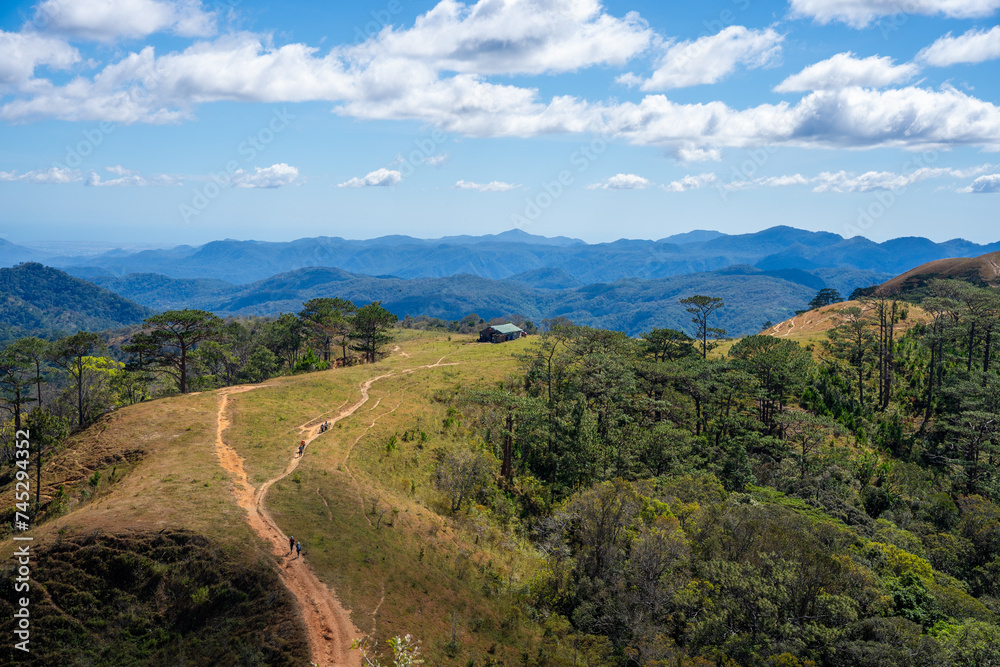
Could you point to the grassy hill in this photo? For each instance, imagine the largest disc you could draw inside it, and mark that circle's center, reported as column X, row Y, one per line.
column 982, row 271
column 812, row 326
column 153, row 564
column 373, row 526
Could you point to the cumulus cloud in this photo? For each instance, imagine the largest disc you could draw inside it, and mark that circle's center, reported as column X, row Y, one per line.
column 378, row 178
column 511, row 37
column 53, row 175
column 710, row 59
column 399, row 84
column 109, row 20
column 984, row 185
column 21, row 53
column 691, row 154
column 622, row 182
column 974, row 46
column 844, row 70
column 275, row 176
column 852, row 117
column 861, row 13
column 492, row 186
column 690, row 182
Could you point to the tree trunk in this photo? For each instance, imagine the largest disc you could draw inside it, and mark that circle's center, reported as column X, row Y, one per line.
column 183, row 368
column 986, row 351
column 972, row 344
column 38, row 381
column 930, row 383
column 79, row 391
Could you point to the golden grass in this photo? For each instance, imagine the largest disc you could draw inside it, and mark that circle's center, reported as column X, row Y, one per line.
column 427, row 573
column 421, row 570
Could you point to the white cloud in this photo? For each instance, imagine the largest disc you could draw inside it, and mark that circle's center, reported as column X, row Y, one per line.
column 844, row 70
column 378, row 178
column 845, row 181
column 622, row 182
column 690, row 182
column 274, row 176
column 21, row 53
column 974, row 46
column 853, row 117
column 861, row 13
column 690, row 154
column 437, row 160
column 109, row 20
column 984, row 185
column 141, row 87
column 511, row 37
column 53, row 175
column 128, row 177
column 492, row 186
column 710, row 59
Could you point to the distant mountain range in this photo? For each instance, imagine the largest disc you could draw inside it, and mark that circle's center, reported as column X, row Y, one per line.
column 506, row 255
column 630, row 285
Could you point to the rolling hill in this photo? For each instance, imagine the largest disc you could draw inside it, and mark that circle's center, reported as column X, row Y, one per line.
column 983, row 270
column 39, row 300
column 178, row 553
column 631, row 305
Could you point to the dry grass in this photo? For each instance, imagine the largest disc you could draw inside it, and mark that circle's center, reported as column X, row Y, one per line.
column 427, row 573
column 420, row 569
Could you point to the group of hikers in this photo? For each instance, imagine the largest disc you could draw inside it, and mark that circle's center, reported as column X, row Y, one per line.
column 323, row 428
column 294, row 546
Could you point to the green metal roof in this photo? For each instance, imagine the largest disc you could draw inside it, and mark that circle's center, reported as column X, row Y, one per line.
column 506, row 328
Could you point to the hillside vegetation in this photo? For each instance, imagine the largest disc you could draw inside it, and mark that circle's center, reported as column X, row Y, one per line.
column 826, row 495
column 39, row 300
column 633, row 306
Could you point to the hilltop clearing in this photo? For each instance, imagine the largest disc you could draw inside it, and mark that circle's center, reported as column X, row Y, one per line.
column 812, row 326
column 981, row 271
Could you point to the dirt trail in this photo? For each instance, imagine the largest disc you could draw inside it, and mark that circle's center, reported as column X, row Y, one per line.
column 329, row 626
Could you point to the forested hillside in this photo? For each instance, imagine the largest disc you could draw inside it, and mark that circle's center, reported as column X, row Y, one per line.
column 38, row 300
column 633, row 306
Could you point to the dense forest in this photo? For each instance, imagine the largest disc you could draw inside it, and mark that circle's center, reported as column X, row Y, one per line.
column 834, row 504
column 761, row 502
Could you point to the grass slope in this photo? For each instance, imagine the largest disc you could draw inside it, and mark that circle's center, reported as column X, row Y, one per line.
column 158, row 476
column 426, row 573
column 407, row 567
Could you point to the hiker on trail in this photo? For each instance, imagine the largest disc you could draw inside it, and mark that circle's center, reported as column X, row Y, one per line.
column 298, row 549
column 291, row 544
column 302, row 447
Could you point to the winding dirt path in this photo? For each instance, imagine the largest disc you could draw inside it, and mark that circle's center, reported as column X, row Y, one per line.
column 329, row 626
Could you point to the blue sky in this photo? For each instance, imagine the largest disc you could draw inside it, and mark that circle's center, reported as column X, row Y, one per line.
column 183, row 121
